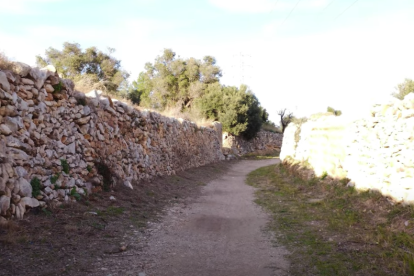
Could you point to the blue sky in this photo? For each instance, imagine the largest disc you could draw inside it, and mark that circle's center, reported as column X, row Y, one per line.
column 305, row 61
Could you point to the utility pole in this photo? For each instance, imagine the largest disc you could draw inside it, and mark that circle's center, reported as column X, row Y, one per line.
column 242, row 65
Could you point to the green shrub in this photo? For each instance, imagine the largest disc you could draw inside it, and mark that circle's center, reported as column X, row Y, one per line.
column 58, row 87
column 36, row 185
column 75, row 194
column 105, row 171
column 81, row 101
column 54, row 178
column 65, row 166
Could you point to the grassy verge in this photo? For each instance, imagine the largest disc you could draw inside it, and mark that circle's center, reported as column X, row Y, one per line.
column 331, row 229
column 265, row 154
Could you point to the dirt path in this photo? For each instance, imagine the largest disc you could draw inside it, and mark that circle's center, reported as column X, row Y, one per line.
column 219, row 233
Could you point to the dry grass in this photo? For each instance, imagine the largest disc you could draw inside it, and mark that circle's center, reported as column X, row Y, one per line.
column 5, row 63
column 190, row 115
column 263, row 154
column 173, row 112
column 332, row 229
column 271, row 128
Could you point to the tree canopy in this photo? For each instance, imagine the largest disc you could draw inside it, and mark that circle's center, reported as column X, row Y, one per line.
column 334, row 111
column 195, row 84
column 404, row 88
column 171, row 81
column 285, row 118
column 90, row 66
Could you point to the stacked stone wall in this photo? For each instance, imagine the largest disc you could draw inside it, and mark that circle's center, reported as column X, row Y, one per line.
column 45, row 124
column 263, row 141
column 375, row 152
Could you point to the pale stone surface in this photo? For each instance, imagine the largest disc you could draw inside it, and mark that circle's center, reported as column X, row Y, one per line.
column 375, row 152
column 4, row 204
column 21, row 68
column 29, row 202
column 128, row 184
column 49, row 88
column 25, row 187
column 4, row 83
column 4, row 129
column 289, row 143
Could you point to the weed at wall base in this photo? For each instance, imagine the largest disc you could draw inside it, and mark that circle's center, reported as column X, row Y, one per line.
column 105, row 171
column 36, row 187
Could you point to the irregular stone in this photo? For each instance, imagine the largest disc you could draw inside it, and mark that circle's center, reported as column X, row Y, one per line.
column 71, row 183
column 54, row 80
column 94, row 94
column 10, row 77
column 100, row 136
column 27, row 81
column 20, row 210
column 14, row 124
column 68, row 85
column 4, row 204
column 3, row 181
column 83, row 121
column 29, row 202
column 25, row 187
column 8, row 110
column 111, row 110
column 39, row 76
column 71, row 148
column 9, row 169
column 95, row 181
column 16, row 199
column 128, row 184
column 48, row 190
column 21, row 68
column 15, row 143
column 4, row 83
column 49, row 88
column 21, row 172
column 86, row 110
column 18, row 154
column 4, row 129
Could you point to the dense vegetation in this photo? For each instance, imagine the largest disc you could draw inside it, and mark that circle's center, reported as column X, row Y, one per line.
column 192, row 84
column 404, row 88
column 334, row 111
column 89, row 69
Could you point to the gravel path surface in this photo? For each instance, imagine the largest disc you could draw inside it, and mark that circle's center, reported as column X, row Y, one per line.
column 218, row 233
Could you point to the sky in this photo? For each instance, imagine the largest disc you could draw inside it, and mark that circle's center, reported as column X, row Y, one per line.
column 301, row 55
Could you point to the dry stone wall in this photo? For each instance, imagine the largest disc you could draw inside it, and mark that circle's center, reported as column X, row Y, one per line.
column 376, row 152
column 51, row 133
column 264, row 140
